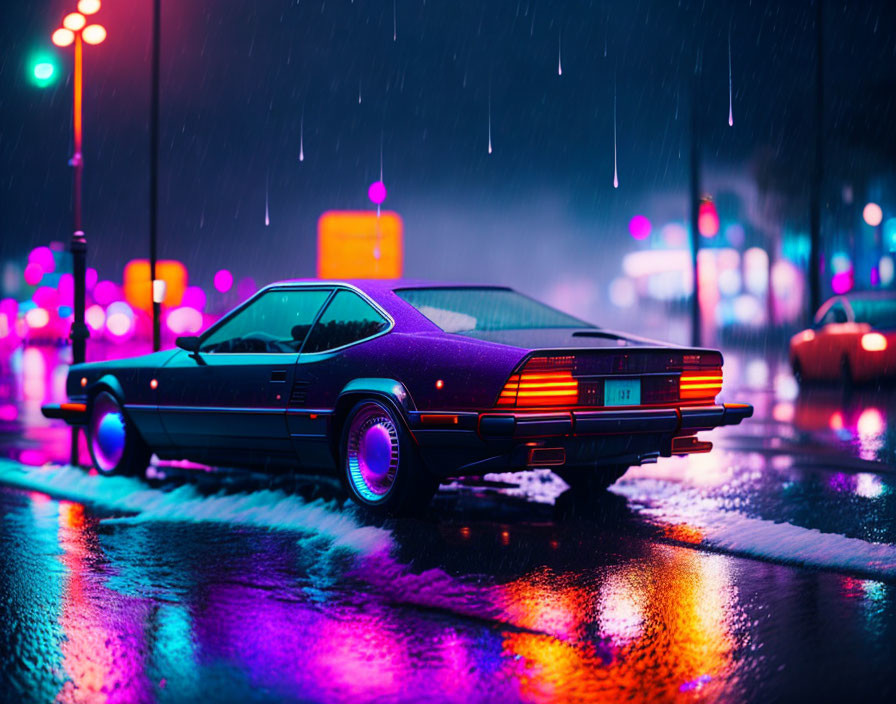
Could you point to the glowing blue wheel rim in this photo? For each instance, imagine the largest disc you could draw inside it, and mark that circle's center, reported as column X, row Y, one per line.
column 107, row 433
column 372, row 453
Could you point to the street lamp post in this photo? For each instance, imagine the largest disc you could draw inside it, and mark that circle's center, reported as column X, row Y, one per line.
column 75, row 30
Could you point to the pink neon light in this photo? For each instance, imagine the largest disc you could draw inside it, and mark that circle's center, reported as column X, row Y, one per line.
column 377, row 192
column 33, row 274
column 223, row 280
column 639, row 227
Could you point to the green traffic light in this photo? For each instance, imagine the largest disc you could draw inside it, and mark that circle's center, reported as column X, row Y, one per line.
column 43, row 71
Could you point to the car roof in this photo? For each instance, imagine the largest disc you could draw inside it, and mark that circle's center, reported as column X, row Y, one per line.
column 372, row 285
column 382, row 292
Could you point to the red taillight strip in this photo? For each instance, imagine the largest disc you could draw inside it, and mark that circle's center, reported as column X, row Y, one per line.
column 703, row 384
column 555, row 388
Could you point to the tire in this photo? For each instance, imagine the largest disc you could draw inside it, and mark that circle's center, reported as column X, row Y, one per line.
column 115, row 445
column 590, row 480
column 798, row 371
column 379, row 463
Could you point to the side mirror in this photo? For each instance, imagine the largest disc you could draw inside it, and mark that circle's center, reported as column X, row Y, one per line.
column 190, row 343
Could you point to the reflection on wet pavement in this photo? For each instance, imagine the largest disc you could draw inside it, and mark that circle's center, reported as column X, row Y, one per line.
column 687, row 582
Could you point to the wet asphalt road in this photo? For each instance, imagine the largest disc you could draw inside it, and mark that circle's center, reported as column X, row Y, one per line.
column 763, row 571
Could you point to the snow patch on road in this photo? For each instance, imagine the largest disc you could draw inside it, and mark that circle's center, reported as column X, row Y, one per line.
column 671, row 504
column 275, row 510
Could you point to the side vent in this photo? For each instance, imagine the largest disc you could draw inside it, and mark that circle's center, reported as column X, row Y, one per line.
column 299, row 393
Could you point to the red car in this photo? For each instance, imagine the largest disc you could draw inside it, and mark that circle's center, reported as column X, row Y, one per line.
column 853, row 339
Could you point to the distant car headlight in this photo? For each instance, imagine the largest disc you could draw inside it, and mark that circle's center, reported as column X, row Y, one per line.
column 874, row 342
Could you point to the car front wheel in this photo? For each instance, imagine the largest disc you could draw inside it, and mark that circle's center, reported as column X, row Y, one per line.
column 115, row 445
column 379, row 462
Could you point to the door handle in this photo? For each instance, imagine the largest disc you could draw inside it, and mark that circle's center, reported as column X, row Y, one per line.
column 278, row 375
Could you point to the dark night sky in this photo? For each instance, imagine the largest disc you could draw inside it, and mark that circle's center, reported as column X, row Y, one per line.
column 238, row 74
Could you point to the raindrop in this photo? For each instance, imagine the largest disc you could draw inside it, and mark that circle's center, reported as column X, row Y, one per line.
column 615, row 169
column 359, row 91
column 302, row 137
column 267, row 211
column 394, row 23
column 489, row 119
column 560, row 53
column 730, row 91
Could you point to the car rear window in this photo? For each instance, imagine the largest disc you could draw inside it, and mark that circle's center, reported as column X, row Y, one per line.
column 880, row 314
column 471, row 309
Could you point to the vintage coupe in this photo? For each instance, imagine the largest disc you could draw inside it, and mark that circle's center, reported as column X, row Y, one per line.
column 852, row 340
column 397, row 385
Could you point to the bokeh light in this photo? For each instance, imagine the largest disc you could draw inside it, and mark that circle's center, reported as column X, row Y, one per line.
column 43, row 71
column 119, row 319
column 94, row 34
column 377, row 192
column 43, row 257
column 88, row 7
column 223, row 280
column 840, row 263
column 74, row 21
column 885, row 269
column 105, row 292
column 708, row 218
column 33, row 274
column 842, row 282
column 194, row 297
column 37, row 318
column 639, row 227
column 184, row 320
column 63, row 37
column 674, row 234
column 872, row 214
column 95, row 317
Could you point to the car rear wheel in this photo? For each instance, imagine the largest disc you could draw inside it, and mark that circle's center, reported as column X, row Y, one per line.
column 590, row 479
column 798, row 371
column 379, row 461
column 115, row 445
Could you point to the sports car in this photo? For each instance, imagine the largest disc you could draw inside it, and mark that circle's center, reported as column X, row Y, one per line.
column 397, row 386
column 852, row 339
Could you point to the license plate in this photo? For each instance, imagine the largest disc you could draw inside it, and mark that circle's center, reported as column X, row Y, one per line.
column 622, row 392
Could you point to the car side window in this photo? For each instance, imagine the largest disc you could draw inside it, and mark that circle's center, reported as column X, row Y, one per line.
column 347, row 319
column 836, row 314
column 276, row 321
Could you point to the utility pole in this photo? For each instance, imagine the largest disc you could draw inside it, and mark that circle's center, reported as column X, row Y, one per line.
column 154, row 175
column 695, row 202
column 818, row 168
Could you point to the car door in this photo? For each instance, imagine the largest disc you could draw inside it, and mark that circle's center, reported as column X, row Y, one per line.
column 829, row 342
column 228, row 400
column 322, row 370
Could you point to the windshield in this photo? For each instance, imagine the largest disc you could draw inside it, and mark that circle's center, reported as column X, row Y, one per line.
column 471, row 309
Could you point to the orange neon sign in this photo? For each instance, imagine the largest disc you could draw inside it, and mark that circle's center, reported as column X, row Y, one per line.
column 360, row 245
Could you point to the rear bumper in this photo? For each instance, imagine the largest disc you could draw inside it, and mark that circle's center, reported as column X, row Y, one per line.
column 471, row 443
column 71, row 413
column 614, row 422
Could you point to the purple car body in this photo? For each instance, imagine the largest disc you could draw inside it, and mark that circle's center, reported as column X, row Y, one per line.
column 373, row 374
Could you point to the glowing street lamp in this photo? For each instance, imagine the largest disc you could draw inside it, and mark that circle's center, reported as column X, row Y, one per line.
column 75, row 30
